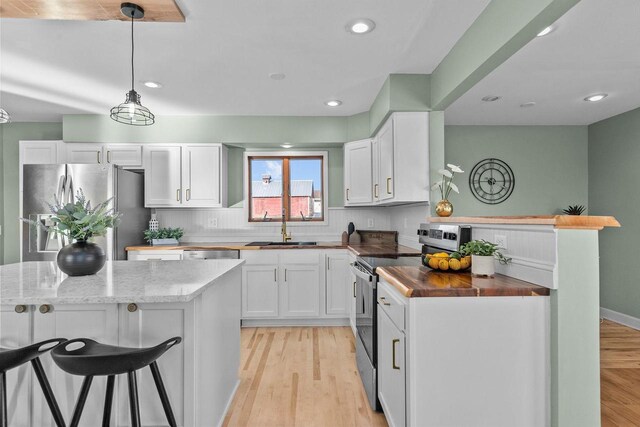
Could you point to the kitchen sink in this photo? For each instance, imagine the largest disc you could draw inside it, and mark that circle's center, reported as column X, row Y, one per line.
column 281, row 244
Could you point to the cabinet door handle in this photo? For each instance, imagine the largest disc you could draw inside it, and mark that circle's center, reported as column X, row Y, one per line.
column 98, row 154
column 354, row 289
column 285, row 274
column 45, row 308
column 21, row 308
column 388, row 182
column 188, row 194
column 393, row 353
column 328, row 263
column 375, row 191
column 275, row 274
column 178, row 195
column 108, row 156
column 383, row 301
column 347, row 194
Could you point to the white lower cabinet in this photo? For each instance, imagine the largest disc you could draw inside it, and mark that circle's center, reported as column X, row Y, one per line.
column 391, row 370
column 338, row 284
column 155, row 254
column 260, row 291
column 352, row 296
column 300, row 288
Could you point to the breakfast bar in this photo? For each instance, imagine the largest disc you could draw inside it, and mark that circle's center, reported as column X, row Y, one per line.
column 132, row 305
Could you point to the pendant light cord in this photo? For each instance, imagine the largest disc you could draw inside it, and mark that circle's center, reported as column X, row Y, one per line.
column 132, row 47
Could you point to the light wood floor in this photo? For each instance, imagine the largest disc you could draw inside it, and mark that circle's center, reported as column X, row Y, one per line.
column 300, row 377
column 308, row 377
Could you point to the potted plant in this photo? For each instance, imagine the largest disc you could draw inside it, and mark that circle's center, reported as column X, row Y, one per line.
column 163, row 236
column 445, row 185
column 483, row 254
column 79, row 223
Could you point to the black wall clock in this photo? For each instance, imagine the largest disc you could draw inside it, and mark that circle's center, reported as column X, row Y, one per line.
column 491, row 181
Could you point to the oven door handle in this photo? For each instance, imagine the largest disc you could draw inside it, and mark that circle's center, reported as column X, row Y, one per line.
column 360, row 274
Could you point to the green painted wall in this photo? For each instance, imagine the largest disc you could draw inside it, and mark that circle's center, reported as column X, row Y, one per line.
column 502, row 29
column 12, row 133
column 549, row 163
column 614, row 153
column 436, row 152
column 358, row 126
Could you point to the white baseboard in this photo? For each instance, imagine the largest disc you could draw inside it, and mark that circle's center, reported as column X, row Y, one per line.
column 623, row 319
column 329, row 321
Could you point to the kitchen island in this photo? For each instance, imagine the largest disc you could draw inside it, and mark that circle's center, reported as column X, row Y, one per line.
column 133, row 305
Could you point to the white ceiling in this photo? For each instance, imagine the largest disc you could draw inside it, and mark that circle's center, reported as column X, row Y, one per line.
column 218, row 62
column 595, row 48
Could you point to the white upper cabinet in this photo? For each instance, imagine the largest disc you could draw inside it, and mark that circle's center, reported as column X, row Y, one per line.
column 162, row 176
column 393, row 167
column 203, row 166
column 126, row 155
column 41, row 152
column 185, row 175
column 358, row 177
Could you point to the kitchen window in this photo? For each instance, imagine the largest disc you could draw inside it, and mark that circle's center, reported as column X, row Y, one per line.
column 293, row 185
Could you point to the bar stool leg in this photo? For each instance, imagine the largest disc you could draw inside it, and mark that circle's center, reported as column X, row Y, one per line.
column 48, row 393
column 3, row 406
column 163, row 394
column 108, row 400
column 82, row 399
column 133, row 399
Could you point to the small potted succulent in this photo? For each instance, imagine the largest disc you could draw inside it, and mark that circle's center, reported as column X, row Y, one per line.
column 574, row 210
column 163, row 236
column 483, row 254
column 79, row 223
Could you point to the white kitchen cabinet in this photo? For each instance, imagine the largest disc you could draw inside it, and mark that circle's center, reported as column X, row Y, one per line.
column 155, row 254
column 386, row 181
column 358, row 177
column 338, row 284
column 260, row 290
column 391, row 370
column 95, row 321
column 163, row 176
column 300, row 290
column 126, row 155
column 203, row 166
column 41, row 152
column 185, row 175
column 352, row 295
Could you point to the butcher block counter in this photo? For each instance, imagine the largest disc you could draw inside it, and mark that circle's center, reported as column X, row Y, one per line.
column 423, row 282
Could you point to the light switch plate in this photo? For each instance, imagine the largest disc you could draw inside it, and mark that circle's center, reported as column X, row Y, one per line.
column 370, row 222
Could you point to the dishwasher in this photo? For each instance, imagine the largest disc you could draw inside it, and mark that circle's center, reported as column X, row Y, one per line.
column 218, row 254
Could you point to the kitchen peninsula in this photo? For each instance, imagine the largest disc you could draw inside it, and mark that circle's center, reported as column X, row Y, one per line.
column 133, row 305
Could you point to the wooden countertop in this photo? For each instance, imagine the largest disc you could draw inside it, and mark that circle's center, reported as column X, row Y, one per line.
column 423, row 282
column 357, row 249
column 558, row 221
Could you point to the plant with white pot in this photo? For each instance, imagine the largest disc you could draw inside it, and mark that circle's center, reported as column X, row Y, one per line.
column 483, row 254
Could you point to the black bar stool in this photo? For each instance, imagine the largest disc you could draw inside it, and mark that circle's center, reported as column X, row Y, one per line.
column 92, row 359
column 12, row 358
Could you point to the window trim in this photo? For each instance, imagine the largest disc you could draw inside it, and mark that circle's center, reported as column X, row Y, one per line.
column 302, row 154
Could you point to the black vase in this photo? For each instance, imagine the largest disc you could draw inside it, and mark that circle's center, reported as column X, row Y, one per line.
column 81, row 258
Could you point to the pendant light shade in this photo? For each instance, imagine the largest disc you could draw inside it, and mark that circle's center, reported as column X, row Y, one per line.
column 4, row 116
column 132, row 112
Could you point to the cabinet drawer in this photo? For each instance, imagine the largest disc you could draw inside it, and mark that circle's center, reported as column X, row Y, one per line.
column 392, row 303
column 155, row 255
column 259, row 257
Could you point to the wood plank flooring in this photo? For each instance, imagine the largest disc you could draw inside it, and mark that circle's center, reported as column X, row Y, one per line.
column 619, row 375
column 300, row 377
column 308, row 377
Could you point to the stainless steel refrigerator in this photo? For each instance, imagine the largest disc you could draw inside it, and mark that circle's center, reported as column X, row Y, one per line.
column 99, row 183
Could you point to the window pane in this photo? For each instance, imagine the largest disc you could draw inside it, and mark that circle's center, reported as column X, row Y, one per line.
column 266, row 189
column 305, row 190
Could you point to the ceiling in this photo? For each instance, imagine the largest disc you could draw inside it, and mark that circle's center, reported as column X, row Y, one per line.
column 595, row 48
column 219, row 60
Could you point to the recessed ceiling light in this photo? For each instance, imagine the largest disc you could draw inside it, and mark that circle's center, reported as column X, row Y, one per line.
column 277, row 76
column 153, row 85
column 528, row 104
column 595, row 98
column 491, row 98
column 546, row 31
column 286, row 145
column 361, row 26
column 334, row 103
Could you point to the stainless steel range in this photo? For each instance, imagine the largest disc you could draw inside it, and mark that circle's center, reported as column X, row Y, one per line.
column 366, row 314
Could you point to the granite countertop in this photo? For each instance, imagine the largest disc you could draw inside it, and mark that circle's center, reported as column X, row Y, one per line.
column 358, row 249
column 41, row 282
column 424, row 282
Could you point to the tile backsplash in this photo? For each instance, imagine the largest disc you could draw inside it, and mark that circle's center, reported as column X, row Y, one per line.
column 229, row 225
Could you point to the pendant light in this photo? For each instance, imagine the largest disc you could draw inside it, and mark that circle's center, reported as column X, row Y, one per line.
column 132, row 112
column 4, row 116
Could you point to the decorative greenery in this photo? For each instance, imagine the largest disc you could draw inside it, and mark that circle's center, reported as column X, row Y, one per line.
column 78, row 221
column 484, row 248
column 163, row 233
column 446, row 185
column 574, row 210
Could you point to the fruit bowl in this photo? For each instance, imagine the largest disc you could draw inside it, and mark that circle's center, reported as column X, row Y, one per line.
column 442, row 261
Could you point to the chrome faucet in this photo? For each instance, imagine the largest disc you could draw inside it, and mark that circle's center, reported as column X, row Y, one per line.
column 285, row 237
